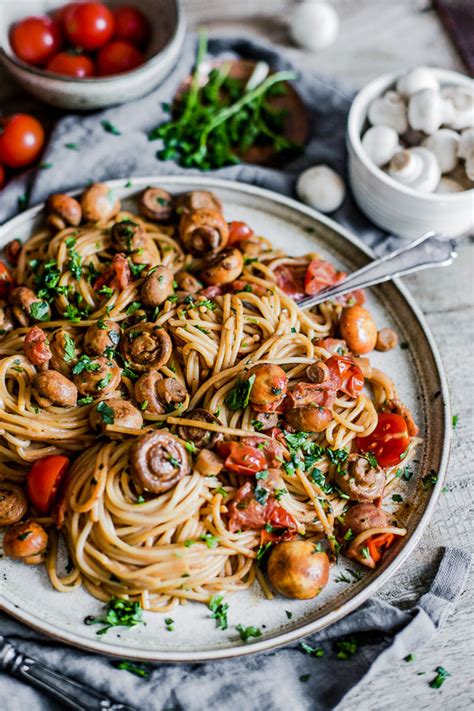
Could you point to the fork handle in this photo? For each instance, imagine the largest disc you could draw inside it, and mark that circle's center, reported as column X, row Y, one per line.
column 429, row 250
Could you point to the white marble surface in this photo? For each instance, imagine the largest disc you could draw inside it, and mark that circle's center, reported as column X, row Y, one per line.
column 378, row 36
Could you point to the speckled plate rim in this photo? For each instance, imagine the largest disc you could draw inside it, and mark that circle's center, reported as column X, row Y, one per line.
column 372, row 587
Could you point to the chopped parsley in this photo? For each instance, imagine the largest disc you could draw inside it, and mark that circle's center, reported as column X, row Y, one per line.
column 238, row 398
column 219, row 610
column 106, row 413
column 312, row 651
column 346, row 648
column 397, row 498
column 139, row 669
column 190, row 446
column 305, row 677
column 85, row 400
column 372, row 459
column 263, row 550
column 103, row 382
column 71, row 146
column 39, row 310
column 261, row 495
column 247, row 633
column 288, row 614
column 455, row 421
column 257, row 425
column 210, row 540
column 85, row 364
column 118, row 613
column 169, row 622
column 74, row 263
column 69, row 348
column 110, row 128
column 409, row 658
column 131, row 308
column 429, row 480
column 440, row 678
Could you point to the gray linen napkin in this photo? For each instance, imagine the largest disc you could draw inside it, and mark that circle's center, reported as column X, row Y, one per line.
column 386, row 633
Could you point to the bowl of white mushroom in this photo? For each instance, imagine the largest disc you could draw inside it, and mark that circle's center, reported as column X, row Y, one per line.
column 411, row 152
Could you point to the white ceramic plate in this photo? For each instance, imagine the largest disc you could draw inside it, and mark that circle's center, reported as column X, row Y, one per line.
column 25, row 592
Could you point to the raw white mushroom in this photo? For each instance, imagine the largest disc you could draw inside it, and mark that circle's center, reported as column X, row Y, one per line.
column 314, row 25
column 380, row 143
column 389, row 110
column 462, row 101
column 416, row 168
column 322, row 188
column 415, row 80
column 466, row 151
column 448, row 185
column 444, row 144
column 427, row 110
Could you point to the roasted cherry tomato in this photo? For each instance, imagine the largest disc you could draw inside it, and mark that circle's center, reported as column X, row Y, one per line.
column 6, row 280
column 351, row 377
column 319, row 275
column 21, row 140
column 378, row 544
column 238, row 231
column 118, row 57
column 291, row 281
column 89, row 25
column 388, row 441
column 131, row 25
column 36, row 39
column 72, row 65
column 241, row 459
column 44, row 480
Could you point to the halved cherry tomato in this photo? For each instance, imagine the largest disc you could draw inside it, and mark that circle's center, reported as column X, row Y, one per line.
column 72, row 65
column 283, row 523
column 21, row 140
column 44, row 479
column 36, row 39
column 6, row 280
column 290, row 280
column 241, row 459
column 131, row 25
column 118, row 57
column 238, row 231
column 388, row 441
column 89, row 25
column 378, row 544
column 351, row 377
column 319, row 275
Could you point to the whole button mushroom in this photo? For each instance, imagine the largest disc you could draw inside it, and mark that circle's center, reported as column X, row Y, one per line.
column 52, row 388
column 158, row 461
column 65, row 352
column 157, row 394
column 322, row 188
column 416, row 168
column 381, row 143
column 427, row 110
column 63, row 211
column 26, row 541
column 358, row 329
column 224, row 268
column 101, row 336
column 13, row 503
column 389, row 110
column 115, row 411
column 203, row 231
column 100, row 376
column 415, row 80
column 157, row 287
column 314, row 25
column 98, row 203
column 157, row 204
column 360, row 480
column 146, row 346
column 462, row 102
column 198, row 200
column 444, row 144
column 297, row 571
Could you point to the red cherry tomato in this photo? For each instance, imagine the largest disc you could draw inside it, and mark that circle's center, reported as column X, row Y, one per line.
column 319, row 275
column 2, row 176
column 21, row 140
column 238, row 231
column 71, row 65
column 44, row 480
column 351, row 376
column 89, row 25
column 290, row 280
column 241, row 459
column 388, row 441
column 6, row 280
column 61, row 13
column 36, row 39
column 378, row 544
column 131, row 25
column 118, row 57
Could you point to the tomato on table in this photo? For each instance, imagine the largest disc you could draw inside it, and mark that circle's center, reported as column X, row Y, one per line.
column 131, row 25
column 241, row 458
column 36, row 39
column 6, row 280
column 21, row 140
column 71, row 64
column 238, row 231
column 44, row 480
column 389, row 441
column 89, row 25
column 350, row 375
column 319, row 275
column 118, row 57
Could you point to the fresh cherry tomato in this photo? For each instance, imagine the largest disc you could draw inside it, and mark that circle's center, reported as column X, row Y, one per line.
column 241, row 459
column 21, row 140
column 351, row 376
column 319, row 275
column 6, row 280
column 2, row 176
column 388, row 441
column 118, row 57
column 36, row 39
column 44, row 479
column 61, row 13
column 131, row 25
column 89, row 25
column 238, row 231
column 71, row 65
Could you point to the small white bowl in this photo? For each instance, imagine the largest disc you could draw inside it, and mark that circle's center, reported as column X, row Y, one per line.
column 395, row 207
column 168, row 29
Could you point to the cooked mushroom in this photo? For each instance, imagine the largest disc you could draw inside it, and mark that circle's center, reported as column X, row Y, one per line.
column 267, row 420
column 187, row 282
column 386, row 340
column 308, row 419
column 156, row 204
column 6, row 318
column 198, row 200
column 297, row 570
column 37, row 348
column 270, row 384
column 102, row 337
column 127, row 236
column 12, row 251
column 358, row 329
column 63, row 211
column 26, row 541
column 98, row 203
column 208, row 463
column 101, row 376
column 223, row 268
column 27, row 307
column 199, row 437
column 361, row 481
column 318, row 372
column 203, row 231
column 361, row 517
column 157, row 287
column 155, row 393
column 65, row 352
column 146, row 346
column 13, row 504
column 115, row 411
column 322, row 188
column 52, row 388
column 389, row 110
column 158, row 461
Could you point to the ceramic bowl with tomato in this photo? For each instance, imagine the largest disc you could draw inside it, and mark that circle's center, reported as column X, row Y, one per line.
column 109, row 70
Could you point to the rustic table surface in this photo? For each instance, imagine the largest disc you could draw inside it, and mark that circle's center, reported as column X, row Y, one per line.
column 378, row 36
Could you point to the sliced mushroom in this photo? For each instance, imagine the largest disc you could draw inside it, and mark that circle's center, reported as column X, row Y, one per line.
column 99, row 203
column 157, row 204
column 26, row 541
column 158, row 461
column 13, row 503
column 63, row 211
column 6, row 318
column 65, row 352
column 223, row 268
column 102, row 337
column 361, row 517
column 198, row 436
column 188, row 283
column 115, row 411
column 198, row 200
column 308, row 419
column 157, row 287
column 361, row 481
column 27, row 307
column 203, row 231
column 156, row 394
column 146, row 346
column 52, row 388
column 100, row 377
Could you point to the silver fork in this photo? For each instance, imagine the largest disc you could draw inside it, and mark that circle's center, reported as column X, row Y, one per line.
column 429, row 250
